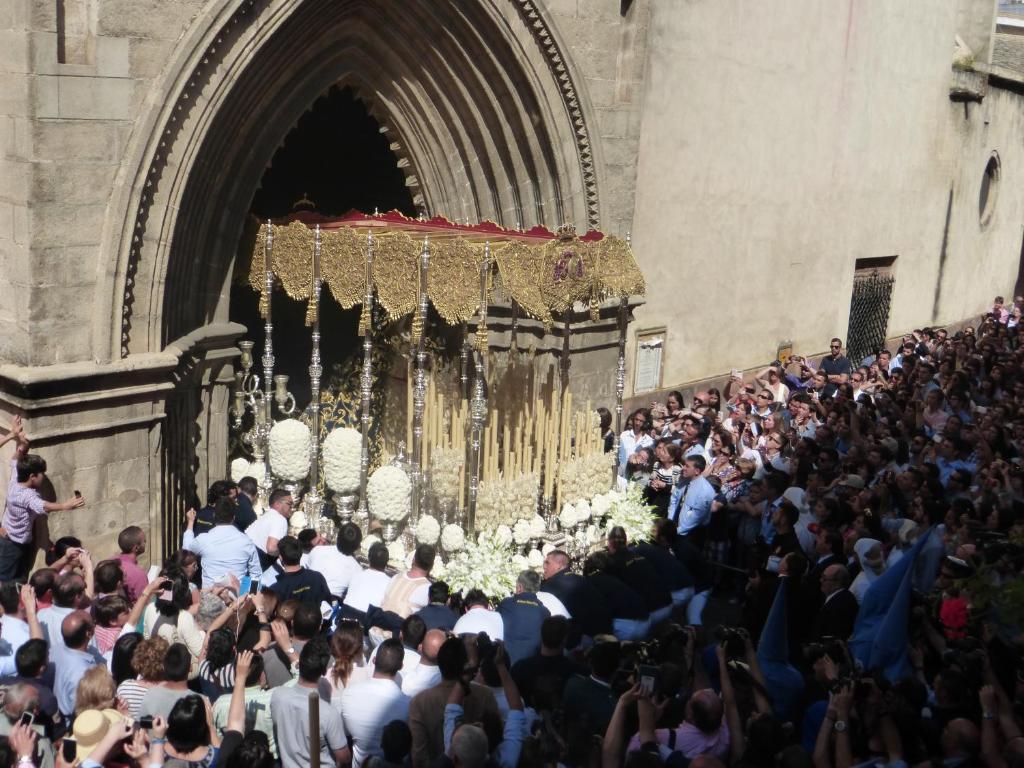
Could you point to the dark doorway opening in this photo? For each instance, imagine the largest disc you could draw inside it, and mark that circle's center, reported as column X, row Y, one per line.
column 335, row 159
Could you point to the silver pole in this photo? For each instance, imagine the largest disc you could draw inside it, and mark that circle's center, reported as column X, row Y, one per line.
column 420, row 386
column 268, row 358
column 314, row 501
column 478, row 406
column 366, row 381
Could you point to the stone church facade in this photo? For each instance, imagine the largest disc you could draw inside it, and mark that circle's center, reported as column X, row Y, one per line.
column 755, row 154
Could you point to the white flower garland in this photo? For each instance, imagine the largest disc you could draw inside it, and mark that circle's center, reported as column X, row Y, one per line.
column 342, row 452
column 388, row 493
column 290, row 450
column 486, row 564
column 453, row 538
column 428, row 530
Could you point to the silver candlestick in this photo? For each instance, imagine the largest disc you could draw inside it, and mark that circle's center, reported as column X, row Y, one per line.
column 478, row 404
column 420, row 384
column 314, row 502
column 366, row 381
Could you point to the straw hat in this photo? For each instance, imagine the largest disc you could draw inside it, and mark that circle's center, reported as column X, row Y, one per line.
column 90, row 728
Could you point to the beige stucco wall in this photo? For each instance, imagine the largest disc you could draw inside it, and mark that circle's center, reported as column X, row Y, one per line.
column 780, row 143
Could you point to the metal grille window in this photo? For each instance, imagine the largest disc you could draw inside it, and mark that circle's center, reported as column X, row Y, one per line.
column 873, row 282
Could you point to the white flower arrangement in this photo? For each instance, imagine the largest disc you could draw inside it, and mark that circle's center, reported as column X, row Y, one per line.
column 548, row 548
column 502, row 534
column 486, row 564
column 396, row 553
column 445, row 470
column 535, row 559
column 506, row 499
column 440, row 569
column 631, row 512
column 582, row 511
column 538, row 527
column 388, row 493
column 520, row 562
column 453, row 538
column 601, row 504
column 368, row 541
column 298, row 520
column 428, row 529
column 584, row 477
column 290, row 450
column 522, row 532
column 239, row 467
column 567, row 517
column 342, row 452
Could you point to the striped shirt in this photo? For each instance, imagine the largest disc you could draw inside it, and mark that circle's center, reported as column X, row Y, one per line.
column 23, row 505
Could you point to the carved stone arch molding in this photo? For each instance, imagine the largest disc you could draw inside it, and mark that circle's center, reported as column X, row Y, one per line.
column 476, row 97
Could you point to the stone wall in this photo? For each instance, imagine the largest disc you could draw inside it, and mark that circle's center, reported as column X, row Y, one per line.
column 782, row 143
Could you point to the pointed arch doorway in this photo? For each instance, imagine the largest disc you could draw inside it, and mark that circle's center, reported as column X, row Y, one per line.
column 478, row 106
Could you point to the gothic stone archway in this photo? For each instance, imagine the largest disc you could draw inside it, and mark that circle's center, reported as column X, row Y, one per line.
column 481, row 110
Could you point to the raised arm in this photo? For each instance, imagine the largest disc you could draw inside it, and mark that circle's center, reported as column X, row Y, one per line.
column 737, row 744
column 615, row 735
column 28, row 599
column 188, row 536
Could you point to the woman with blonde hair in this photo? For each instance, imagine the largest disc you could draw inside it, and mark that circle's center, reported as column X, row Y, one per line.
column 96, row 690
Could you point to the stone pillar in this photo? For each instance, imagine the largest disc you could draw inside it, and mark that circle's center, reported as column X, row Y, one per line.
column 104, row 430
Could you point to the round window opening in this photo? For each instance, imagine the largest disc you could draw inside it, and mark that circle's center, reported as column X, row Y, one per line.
column 989, row 189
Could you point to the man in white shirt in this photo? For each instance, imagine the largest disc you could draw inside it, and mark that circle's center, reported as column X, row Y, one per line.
column 224, row 550
column 368, row 706
column 426, row 674
column 480, row 618
column 337, row 564
column 272, row 526
column 367, row 587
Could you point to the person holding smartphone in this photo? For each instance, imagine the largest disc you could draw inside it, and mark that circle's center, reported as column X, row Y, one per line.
column 24, row 505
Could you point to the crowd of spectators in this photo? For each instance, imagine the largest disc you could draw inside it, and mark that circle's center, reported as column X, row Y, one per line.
column 857, row 525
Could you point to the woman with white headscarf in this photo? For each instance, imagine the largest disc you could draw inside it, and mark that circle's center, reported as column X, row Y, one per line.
column 872, row 565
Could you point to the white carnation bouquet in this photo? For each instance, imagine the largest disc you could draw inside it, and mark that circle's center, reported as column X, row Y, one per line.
column 538, row 527
column 396, row 554
column 367, row 542
column 453, row 538
column 502, row 534
column 535, row 558
column 388, row 493
column 567, row 517
column 342, row 452
column 428, row 529
column 629, row 510
column 584, row 477
column 486, row 564
column 445, row 468
column 290, row 450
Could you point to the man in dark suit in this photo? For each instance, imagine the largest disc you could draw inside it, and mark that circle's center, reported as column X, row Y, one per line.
column 828, row 548
column 839, row 612
column 589, row 701
column 437, row 615
column 590, row 615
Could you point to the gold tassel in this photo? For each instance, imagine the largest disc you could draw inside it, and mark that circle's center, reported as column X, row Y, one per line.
column 595, row 309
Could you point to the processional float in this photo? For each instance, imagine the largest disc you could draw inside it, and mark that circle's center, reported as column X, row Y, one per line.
column 471, row 464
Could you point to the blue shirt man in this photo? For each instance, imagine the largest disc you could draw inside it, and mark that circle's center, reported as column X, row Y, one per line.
column 690, row 505
column 73, row 659
column 225, row 549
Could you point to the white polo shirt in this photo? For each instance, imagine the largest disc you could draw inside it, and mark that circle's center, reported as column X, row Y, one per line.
column 272, row 525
